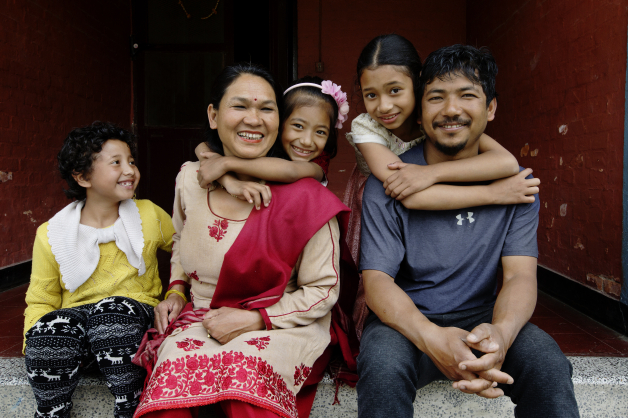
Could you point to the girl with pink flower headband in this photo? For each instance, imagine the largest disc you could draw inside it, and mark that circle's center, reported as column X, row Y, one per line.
column 313, row 110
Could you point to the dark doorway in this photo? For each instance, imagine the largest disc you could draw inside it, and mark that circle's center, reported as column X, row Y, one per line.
column 177, row 54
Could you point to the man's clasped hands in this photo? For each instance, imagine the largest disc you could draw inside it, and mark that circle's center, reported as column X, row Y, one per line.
column 450, row 350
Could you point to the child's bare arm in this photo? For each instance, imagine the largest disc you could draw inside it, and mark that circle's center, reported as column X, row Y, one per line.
column 377, row 157
column 493, row 162
column 200, row 149
column 266, row 168
column 250, row 191
column 511, row 190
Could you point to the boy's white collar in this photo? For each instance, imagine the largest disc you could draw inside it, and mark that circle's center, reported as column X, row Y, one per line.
column 75, row 246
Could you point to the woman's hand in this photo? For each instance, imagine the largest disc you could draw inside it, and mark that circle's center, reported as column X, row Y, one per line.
column 211, row 168
column 250, row 191
column 515, row 189
column 167, row 311
column 224, row 324
column 409, row 179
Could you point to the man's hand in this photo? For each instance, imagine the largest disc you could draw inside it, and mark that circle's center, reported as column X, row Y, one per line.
column 167, row 311
column 409, row 179
column 210, row 169
column 225, row 324
column 447, row 349
column 488, row 339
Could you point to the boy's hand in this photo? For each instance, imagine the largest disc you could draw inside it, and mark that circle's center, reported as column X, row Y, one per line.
column 409, row 179
column 250, row 191
column 515, row 189
column 211, row 168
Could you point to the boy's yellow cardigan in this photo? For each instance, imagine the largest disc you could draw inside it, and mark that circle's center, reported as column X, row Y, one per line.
column 114, row 276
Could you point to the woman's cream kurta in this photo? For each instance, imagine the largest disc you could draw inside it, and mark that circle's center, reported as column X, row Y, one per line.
column 266, row 368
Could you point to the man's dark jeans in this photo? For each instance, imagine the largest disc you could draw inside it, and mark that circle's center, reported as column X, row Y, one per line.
column 392, row 369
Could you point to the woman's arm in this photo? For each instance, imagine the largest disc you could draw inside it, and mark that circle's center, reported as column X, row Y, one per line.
column 44, row 293
column 317, row 280
column 511, row 190
column 317, row 292
column 168, row 310
column 166, row 229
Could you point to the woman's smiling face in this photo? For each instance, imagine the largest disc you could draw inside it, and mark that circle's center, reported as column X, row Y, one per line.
column 247, row 119
column 305, row 133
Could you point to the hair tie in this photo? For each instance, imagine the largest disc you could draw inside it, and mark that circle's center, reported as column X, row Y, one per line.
column 327, row 87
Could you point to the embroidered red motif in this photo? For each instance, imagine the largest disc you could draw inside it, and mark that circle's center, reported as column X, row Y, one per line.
column 190, row 344
column 242, row 376
column 261, row 342
column 194, row 276
column 219, row 229
column 301, row 373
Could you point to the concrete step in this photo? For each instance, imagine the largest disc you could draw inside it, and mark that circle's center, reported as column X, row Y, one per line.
column 601, row 385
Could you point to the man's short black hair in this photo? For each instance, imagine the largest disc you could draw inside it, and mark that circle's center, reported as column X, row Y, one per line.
column 80, row 149
column 478, row 65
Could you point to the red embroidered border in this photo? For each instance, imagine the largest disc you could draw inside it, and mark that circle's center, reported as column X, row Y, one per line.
column 201, row 380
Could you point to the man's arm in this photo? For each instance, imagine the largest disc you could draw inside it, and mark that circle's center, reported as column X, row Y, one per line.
column 513, row 308
column 445, row 346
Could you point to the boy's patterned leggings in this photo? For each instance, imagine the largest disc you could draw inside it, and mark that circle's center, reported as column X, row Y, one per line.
column 64, row 340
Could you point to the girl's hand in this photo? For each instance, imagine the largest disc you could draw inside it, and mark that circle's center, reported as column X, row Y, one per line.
column 249, row 191
column 515, row 189
column 211, row 168
column 225, row 324
column 167, row 311
column 409, row 179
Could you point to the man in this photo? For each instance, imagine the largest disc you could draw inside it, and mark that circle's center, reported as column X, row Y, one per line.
column 430, row 276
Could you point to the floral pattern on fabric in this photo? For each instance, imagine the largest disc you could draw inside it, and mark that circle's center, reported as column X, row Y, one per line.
column 301, row 373
column 193, row 275
column 219, row 229
column 190, row 344
column 260, row 343
column 224, row 374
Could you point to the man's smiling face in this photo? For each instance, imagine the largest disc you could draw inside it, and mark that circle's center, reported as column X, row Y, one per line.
column 454, row 114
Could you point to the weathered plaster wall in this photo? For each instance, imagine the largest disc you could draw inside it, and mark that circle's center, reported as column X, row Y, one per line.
column 347, row 26
column 561, row 111
column 62, row 65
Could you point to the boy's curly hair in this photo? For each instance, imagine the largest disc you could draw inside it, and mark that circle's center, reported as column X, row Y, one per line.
column 80, row 149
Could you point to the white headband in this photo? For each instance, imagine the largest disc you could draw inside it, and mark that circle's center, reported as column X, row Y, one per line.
column 327, row 87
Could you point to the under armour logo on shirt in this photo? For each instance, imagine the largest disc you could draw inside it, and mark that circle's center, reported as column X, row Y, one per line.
column 469, row 218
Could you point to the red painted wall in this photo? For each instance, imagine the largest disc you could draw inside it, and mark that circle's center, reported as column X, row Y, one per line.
column 347, row 26
column 561, row 111
column 62, row 65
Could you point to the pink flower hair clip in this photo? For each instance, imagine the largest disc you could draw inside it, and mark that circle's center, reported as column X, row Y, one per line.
column 334, row 91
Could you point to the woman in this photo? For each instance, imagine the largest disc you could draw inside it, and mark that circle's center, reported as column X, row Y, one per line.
column 263, row 282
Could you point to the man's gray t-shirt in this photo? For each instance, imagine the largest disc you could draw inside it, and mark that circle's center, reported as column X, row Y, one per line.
column 446, row 261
